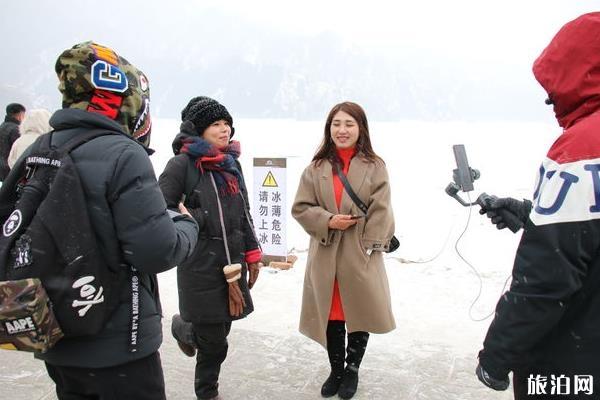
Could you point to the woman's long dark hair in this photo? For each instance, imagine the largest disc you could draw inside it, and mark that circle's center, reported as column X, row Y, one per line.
column 327, row 149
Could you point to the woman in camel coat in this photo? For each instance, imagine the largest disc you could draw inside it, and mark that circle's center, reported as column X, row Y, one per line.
column 345, row 285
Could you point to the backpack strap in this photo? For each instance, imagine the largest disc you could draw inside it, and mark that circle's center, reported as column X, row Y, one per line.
column 359, row 203
column 44, row 142
column 43, row 145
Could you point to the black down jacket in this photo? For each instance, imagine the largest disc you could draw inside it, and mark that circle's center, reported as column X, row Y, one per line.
column 203, row 290
column 133, row 228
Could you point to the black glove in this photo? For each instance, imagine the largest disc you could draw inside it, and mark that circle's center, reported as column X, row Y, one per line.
column 489, row 381
column 505, row 211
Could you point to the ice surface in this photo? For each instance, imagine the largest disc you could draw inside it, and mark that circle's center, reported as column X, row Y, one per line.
column 432, row 353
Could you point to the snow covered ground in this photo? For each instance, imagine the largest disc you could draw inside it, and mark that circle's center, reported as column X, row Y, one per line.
column 432, row 353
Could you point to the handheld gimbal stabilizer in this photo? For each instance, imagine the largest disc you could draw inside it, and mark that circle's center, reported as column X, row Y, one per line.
column 463, row 177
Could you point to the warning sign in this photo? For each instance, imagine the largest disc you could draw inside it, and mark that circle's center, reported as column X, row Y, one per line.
column 270, row 180
column 270, row 206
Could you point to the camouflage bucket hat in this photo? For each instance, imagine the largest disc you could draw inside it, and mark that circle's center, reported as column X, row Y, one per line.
column 96, row 79
column 27, row 322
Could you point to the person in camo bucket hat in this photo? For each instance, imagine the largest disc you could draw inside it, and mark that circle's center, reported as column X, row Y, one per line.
column 94, row 78
column 101, row 91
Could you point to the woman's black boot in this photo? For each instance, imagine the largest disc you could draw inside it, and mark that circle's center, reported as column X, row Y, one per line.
column 336, row 338
column 357, row 344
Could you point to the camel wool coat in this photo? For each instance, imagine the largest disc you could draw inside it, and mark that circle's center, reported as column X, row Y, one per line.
column 362, row 279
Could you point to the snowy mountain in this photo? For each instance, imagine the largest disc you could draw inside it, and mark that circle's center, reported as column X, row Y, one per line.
column 261, row 73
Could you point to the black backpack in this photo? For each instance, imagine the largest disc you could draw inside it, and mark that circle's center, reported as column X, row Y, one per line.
column 47, row 234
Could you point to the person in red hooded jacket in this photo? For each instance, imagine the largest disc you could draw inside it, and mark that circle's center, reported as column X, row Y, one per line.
column 546, row 328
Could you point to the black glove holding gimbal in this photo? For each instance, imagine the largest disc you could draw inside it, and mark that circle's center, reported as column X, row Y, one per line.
column 490, row 381
column 506, row 211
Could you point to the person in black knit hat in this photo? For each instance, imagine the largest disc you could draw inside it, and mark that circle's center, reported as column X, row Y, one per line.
column 202, row 111
column 214, row 284
column 197, row 115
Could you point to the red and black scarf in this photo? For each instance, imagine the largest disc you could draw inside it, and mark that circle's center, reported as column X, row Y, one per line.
column 222, row 161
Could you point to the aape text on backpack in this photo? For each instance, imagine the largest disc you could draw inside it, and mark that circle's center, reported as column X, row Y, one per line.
column 46, row 234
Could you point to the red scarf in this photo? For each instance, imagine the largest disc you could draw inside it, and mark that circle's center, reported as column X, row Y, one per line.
column 209, row 157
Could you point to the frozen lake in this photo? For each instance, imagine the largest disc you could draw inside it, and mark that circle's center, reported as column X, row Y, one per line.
column 432, row 353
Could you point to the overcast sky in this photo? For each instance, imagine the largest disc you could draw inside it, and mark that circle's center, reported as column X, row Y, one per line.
column 492, row 40
column 496, row 29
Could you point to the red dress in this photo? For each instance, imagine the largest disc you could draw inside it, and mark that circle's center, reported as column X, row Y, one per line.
column 337, row 311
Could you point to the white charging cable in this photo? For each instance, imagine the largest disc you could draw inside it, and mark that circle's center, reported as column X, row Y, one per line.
column 475, row 271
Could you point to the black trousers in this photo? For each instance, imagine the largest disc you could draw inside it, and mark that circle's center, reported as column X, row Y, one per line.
column 138, row 380
column 211, row 341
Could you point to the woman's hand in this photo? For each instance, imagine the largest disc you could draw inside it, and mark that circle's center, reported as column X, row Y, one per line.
column 183, row 210
column 254, row 269
column 236, row 299
column 341, row 222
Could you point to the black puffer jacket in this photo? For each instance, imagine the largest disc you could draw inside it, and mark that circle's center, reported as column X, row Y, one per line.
column 132, row 226
column 9, row 132
column 203, row 290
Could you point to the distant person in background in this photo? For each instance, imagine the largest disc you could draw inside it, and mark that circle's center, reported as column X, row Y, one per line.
column 214, row 283
column 9, row 133
column 345, row 286
column 36, row 123
column 546, row 327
